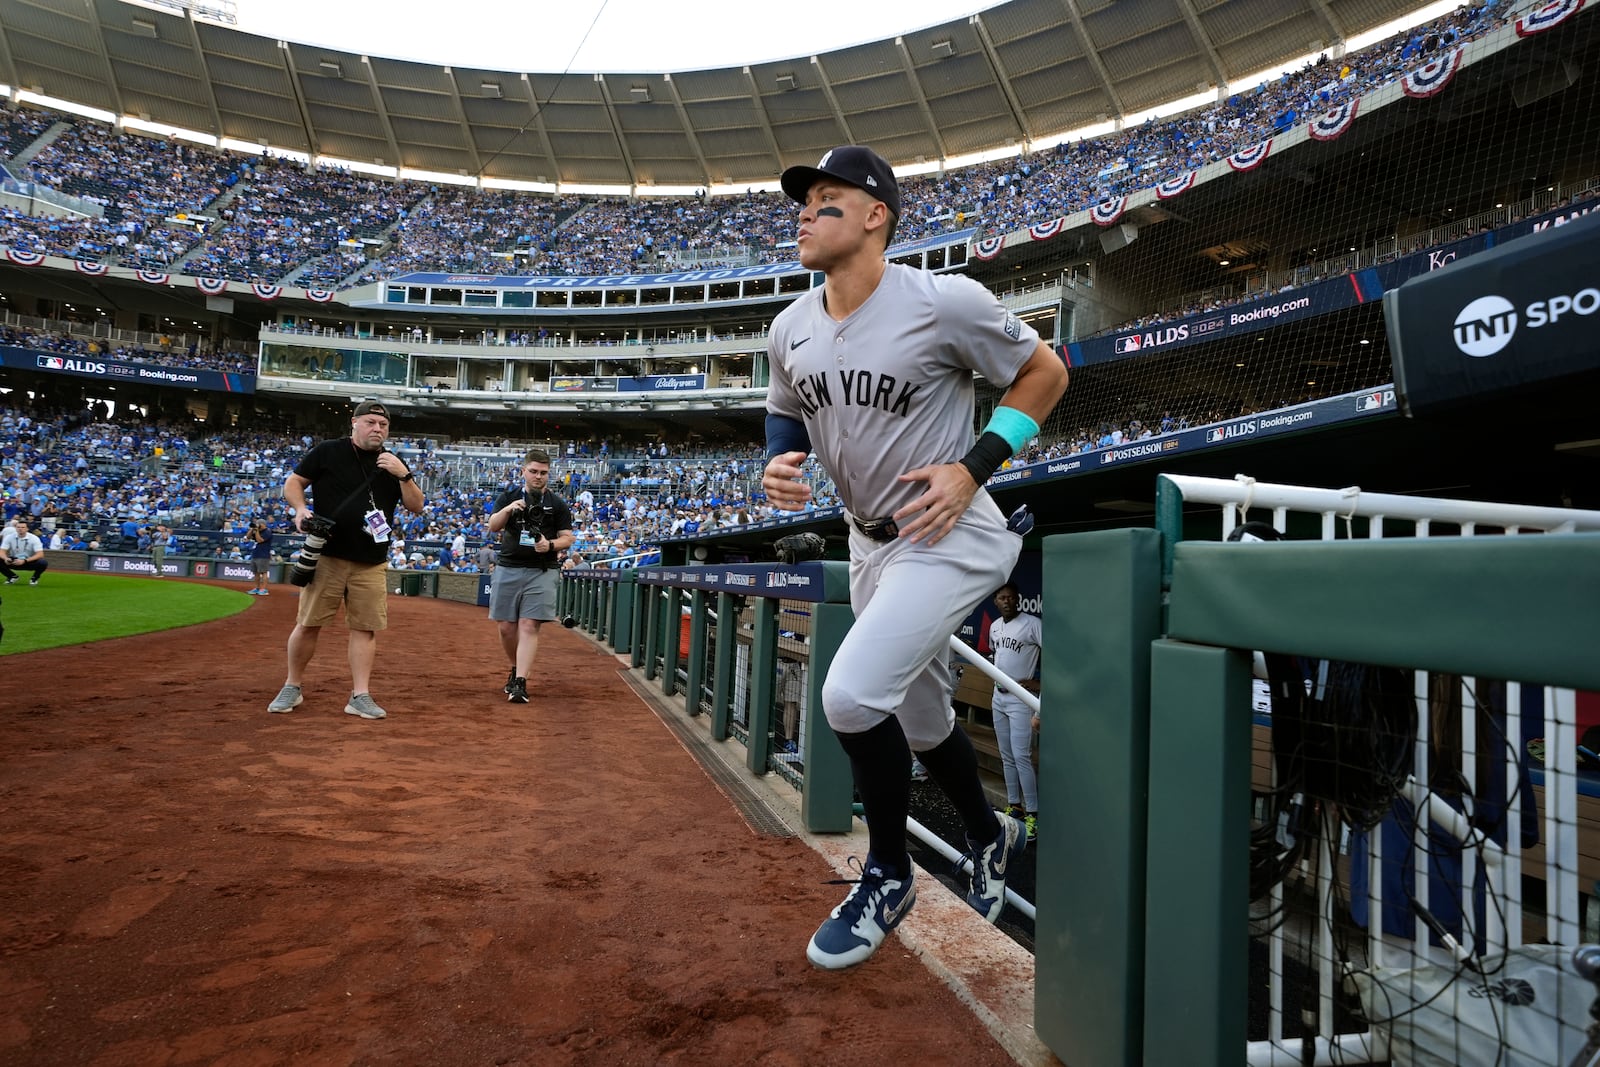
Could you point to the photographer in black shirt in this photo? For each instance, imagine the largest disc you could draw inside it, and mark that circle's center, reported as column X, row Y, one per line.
column 356, row 486
column 534, row 525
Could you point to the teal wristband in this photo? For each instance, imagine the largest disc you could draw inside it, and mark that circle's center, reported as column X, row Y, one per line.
column 1013, row 425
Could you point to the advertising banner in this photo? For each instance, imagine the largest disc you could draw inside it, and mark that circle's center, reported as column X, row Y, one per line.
column 120, row 371
column 1523, row 313
column 799, row 581
column 139, row 565
column 569, row 384
column 650, row 383
column 1318, row 298
column 232, row 570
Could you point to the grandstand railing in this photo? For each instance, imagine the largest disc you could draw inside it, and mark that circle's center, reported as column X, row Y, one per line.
column 1259, row 282
column 104, row 331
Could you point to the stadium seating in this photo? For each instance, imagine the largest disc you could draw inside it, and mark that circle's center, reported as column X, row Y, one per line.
column 269, row 220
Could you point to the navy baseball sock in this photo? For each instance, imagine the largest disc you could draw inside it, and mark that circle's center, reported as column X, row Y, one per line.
column 880, row 762
column 954, row 765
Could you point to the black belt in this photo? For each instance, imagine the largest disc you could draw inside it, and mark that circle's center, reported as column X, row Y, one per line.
column 877, row 529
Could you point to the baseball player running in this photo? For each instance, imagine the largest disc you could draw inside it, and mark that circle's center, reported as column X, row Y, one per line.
column 875, row 369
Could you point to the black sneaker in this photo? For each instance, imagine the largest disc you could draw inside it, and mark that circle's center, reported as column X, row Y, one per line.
column 517, row 691
column 511, row 680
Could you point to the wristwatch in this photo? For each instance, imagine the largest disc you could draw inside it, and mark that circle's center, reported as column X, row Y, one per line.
column 407, row 476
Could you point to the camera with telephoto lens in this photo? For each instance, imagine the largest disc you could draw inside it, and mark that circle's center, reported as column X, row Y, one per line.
column 317, row 528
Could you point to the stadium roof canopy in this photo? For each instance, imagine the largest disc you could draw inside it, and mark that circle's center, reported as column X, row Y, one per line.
column 1014, row 74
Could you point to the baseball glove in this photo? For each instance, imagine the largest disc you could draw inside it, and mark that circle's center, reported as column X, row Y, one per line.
column 799, row 547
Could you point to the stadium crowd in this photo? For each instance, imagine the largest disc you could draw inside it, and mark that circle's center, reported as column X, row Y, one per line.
column 274, row 220
column 92, row 482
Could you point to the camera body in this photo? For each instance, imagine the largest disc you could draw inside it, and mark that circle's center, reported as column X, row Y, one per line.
column 317, row 528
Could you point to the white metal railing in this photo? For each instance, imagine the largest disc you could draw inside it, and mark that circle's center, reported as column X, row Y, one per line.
column 1503, row 868
column 928, row 837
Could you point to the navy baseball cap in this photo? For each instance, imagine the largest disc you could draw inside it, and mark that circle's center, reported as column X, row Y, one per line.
column 851, row 164
column 370, row 407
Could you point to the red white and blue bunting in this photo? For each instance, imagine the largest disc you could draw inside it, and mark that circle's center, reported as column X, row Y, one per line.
column 23, row 258
column 1330, row 125
column 83, row 266
column 153, row 277
column 1250, row 158
column 1432, row 77
column 211, row 286
column 1043, row 231
column 1547, row 17
column 987, row 248
column 1108, row 212
column 1173, row 186
column 266, row 292
column 321, row 296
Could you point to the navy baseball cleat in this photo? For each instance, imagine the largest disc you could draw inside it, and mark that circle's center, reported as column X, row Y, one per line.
column 991, row 862
column 875, row 905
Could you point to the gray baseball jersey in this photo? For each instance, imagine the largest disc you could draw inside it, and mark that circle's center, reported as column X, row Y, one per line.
column 889, row 389
column 1016, row 650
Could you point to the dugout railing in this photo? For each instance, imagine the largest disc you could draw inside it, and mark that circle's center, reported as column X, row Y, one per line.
column 1148, row 960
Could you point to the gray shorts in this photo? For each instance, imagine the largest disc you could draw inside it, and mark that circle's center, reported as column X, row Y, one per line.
column 523, row 593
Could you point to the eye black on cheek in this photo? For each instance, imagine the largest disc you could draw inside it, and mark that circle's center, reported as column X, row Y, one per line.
column 829, row 212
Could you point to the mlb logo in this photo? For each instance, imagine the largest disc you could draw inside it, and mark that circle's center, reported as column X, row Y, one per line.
column 1213, row 436
column 52, row 362
column 1128, row 344
column 1374, row 401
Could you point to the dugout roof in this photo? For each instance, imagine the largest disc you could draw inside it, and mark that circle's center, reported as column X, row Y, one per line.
column 1018, row 72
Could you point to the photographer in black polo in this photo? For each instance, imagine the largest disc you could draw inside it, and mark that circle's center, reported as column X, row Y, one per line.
column 534, row 525
column 356, row 485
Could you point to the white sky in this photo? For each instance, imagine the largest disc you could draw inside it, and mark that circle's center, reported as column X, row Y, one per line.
column 618, row 36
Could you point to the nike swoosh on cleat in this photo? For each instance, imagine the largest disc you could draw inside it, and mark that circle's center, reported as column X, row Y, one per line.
column 893, row 914
column 796, row 344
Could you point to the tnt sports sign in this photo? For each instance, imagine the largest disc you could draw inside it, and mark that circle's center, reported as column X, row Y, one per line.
column 1488, row 324
column 1522, row 312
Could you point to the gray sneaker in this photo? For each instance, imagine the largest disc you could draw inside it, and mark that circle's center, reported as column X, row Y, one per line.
column 363, row 705
column 288, row 699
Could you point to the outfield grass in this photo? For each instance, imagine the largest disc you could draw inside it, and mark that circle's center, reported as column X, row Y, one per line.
column 74, row 609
